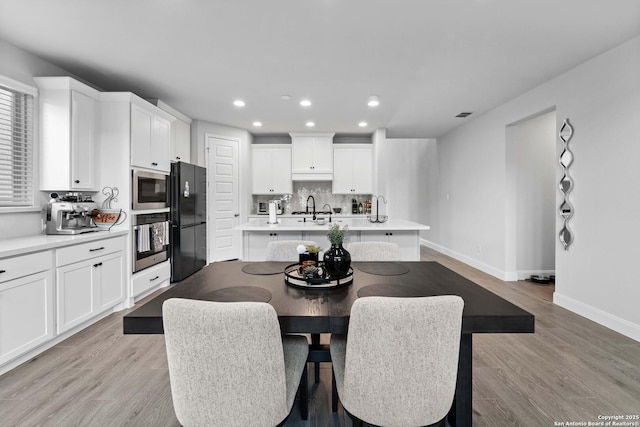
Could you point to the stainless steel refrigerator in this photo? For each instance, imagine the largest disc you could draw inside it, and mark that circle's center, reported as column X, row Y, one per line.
column 188, row 219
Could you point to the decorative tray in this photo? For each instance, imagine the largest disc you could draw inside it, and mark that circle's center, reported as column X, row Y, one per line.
column 293, row 277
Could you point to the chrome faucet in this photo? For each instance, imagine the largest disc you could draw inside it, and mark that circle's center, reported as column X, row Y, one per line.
column 314, row 206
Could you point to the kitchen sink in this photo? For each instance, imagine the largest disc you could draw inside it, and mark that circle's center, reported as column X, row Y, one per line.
column 310, row 221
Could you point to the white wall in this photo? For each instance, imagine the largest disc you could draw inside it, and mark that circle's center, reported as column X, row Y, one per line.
column 595, row 277
column 531, row 158
column 23, row 67
column 409, row 174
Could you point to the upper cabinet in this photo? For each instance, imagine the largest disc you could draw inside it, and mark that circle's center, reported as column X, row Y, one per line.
column 180, row 141
column 312, row 156
column 353, row 166
column 271, row 169
column 180, row 133
column 150, row 139
column 68, row 132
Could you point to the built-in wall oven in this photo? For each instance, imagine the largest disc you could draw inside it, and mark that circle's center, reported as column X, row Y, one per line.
column 150, row 190
column 150, row 239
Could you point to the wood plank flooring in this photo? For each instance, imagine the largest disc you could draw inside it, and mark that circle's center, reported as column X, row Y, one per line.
column 571, row 369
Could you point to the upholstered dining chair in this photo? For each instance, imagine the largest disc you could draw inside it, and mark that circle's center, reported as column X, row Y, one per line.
column 374, row 251
column 285, row 250
column 229, row 364
column 398, row 364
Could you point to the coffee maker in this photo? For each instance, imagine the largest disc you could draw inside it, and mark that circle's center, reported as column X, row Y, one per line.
column 70, row 214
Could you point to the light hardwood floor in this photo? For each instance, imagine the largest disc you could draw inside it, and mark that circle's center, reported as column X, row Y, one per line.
column 571, row 369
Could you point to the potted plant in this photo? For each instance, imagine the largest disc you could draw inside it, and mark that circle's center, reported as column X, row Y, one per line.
column 337, row 259
column 308, row 255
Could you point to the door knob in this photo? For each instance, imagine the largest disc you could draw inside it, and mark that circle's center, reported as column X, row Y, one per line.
column 236, row 215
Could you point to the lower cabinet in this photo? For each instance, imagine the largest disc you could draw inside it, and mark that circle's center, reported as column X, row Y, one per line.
column 26, row 313
column 150, row 278
column 409, row 241
column 255, row 243
column 89, row 284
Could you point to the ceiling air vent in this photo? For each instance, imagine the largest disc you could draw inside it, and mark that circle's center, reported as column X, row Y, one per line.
column 463, row 115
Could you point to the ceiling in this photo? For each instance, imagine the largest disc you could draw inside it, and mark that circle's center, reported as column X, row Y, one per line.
column 427, row 60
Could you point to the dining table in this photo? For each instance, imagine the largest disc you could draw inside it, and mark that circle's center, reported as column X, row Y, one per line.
column 319, row 308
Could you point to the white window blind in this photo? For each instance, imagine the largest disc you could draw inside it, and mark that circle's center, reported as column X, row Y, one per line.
column 16, row 147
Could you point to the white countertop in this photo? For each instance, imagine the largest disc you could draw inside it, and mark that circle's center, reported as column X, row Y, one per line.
column 293, row 224
column 42, row 242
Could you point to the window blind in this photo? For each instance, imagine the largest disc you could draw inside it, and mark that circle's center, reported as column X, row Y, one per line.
column 16, row 148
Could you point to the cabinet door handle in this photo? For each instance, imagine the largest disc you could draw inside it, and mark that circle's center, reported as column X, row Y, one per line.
column 178, row 157
column 154, row 164
column 96, row 249
column 155, row 278
column 77, row 181
column 97, row 265
column 3, row 271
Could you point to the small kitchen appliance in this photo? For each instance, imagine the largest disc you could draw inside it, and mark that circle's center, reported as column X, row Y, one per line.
column 262, row 208
column 150, row 190
column 70, row 214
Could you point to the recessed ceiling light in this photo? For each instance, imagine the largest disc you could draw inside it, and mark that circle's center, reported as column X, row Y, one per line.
column 373, row 101
column 362, row 124
column 257, row 124
column 310, row 124
column 238, row 103
column 285, row 97
column 305, row 103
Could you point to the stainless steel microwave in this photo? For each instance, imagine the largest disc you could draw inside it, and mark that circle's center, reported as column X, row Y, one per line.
column 150, row 190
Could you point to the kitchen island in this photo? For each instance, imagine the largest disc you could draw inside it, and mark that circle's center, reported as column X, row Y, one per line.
column 257, row 233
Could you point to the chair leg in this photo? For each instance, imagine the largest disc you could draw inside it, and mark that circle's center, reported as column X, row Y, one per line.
column 315, row 341
column 334, row 393
column 304, row 402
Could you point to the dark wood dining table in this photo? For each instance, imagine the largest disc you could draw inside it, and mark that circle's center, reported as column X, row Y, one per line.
column 317, row 310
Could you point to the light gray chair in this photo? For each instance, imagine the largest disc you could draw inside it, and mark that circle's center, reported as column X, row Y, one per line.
column 285, row 250
column 229, row 364
column 398, row 364
column 374, row 251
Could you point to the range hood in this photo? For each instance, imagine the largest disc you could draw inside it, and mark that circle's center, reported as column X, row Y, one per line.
column 312, row 177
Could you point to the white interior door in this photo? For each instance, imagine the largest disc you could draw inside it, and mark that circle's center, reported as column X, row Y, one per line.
column 223, row 198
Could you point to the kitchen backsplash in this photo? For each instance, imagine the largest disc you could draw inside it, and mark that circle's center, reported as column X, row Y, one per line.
column 321, row 192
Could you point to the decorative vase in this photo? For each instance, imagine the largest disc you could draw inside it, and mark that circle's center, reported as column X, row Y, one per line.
column 337, row 261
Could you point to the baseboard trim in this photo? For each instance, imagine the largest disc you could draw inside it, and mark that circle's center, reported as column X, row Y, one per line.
column 608, row 320
column 500, row 274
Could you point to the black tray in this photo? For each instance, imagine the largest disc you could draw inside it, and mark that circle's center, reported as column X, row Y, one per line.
column 293, row 278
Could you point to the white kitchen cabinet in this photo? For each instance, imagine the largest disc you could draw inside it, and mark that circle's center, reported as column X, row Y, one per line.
column 90, row 279
column 408, row 240
column 150, row 278
column 180, row 141
column 255, row 243
column 271, row 169
column 26, row 303
column 68, row 133
column 312, row 156
column 352, row 169
column 150, row 139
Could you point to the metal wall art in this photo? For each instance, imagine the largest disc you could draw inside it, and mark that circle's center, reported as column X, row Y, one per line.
column 566, row 184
